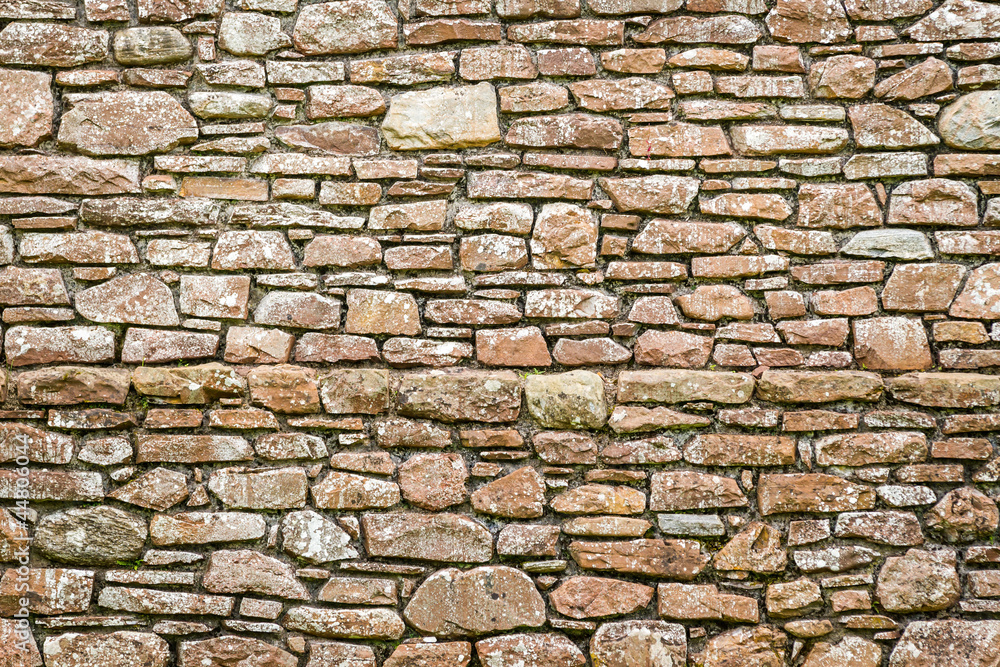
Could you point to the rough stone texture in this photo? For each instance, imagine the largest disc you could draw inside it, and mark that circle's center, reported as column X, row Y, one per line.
column 479, row 601
column 500, row 314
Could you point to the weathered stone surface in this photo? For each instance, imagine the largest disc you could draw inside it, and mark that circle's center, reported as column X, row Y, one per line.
column 811, row 492
column 946, row 642
column 114, row 649
column 565, row 236
column 919, row 581
column 754, row 549
column 674, row 559
column 205, row 527
column 442, row 118
column 26, row 109
column 125, row 123
column 948, row 390
column 530, row 650
column 963, row 515
column 818, row 387
column 135, row 298
column 456, row 603
column 958, row 19
column 695, row 30
column 298, row 310
column 668, row 195
column 347, row 491
column 891, row 343
column 71, row 385
column 433, row 481
column 260, row 488
column 569, row 400
column 600, row 499
column 678, row 386
column 683, row 490
column 648, row 643
column 248, row 571
column 51, row 44
column 519, row 495
column 188, row 385
column 220, row 651
column 346, row 26
column 91, row 536
column 377, row 624
column 597, row 597
column 43, row 174
column 314, row 538
column 979, row 299
column 160, row 489
column 761, row 645
column 461, row 395
column 440, row 537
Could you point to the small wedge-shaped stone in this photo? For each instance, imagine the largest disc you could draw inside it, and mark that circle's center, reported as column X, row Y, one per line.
column 484, row 600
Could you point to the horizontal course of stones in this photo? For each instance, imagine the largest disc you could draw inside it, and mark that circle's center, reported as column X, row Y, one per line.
column 526, row 333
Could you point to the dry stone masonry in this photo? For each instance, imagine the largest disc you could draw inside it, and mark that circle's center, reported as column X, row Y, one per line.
column 499, row 333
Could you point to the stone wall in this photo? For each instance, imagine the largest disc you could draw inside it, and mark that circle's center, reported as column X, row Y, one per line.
column 526, row 333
